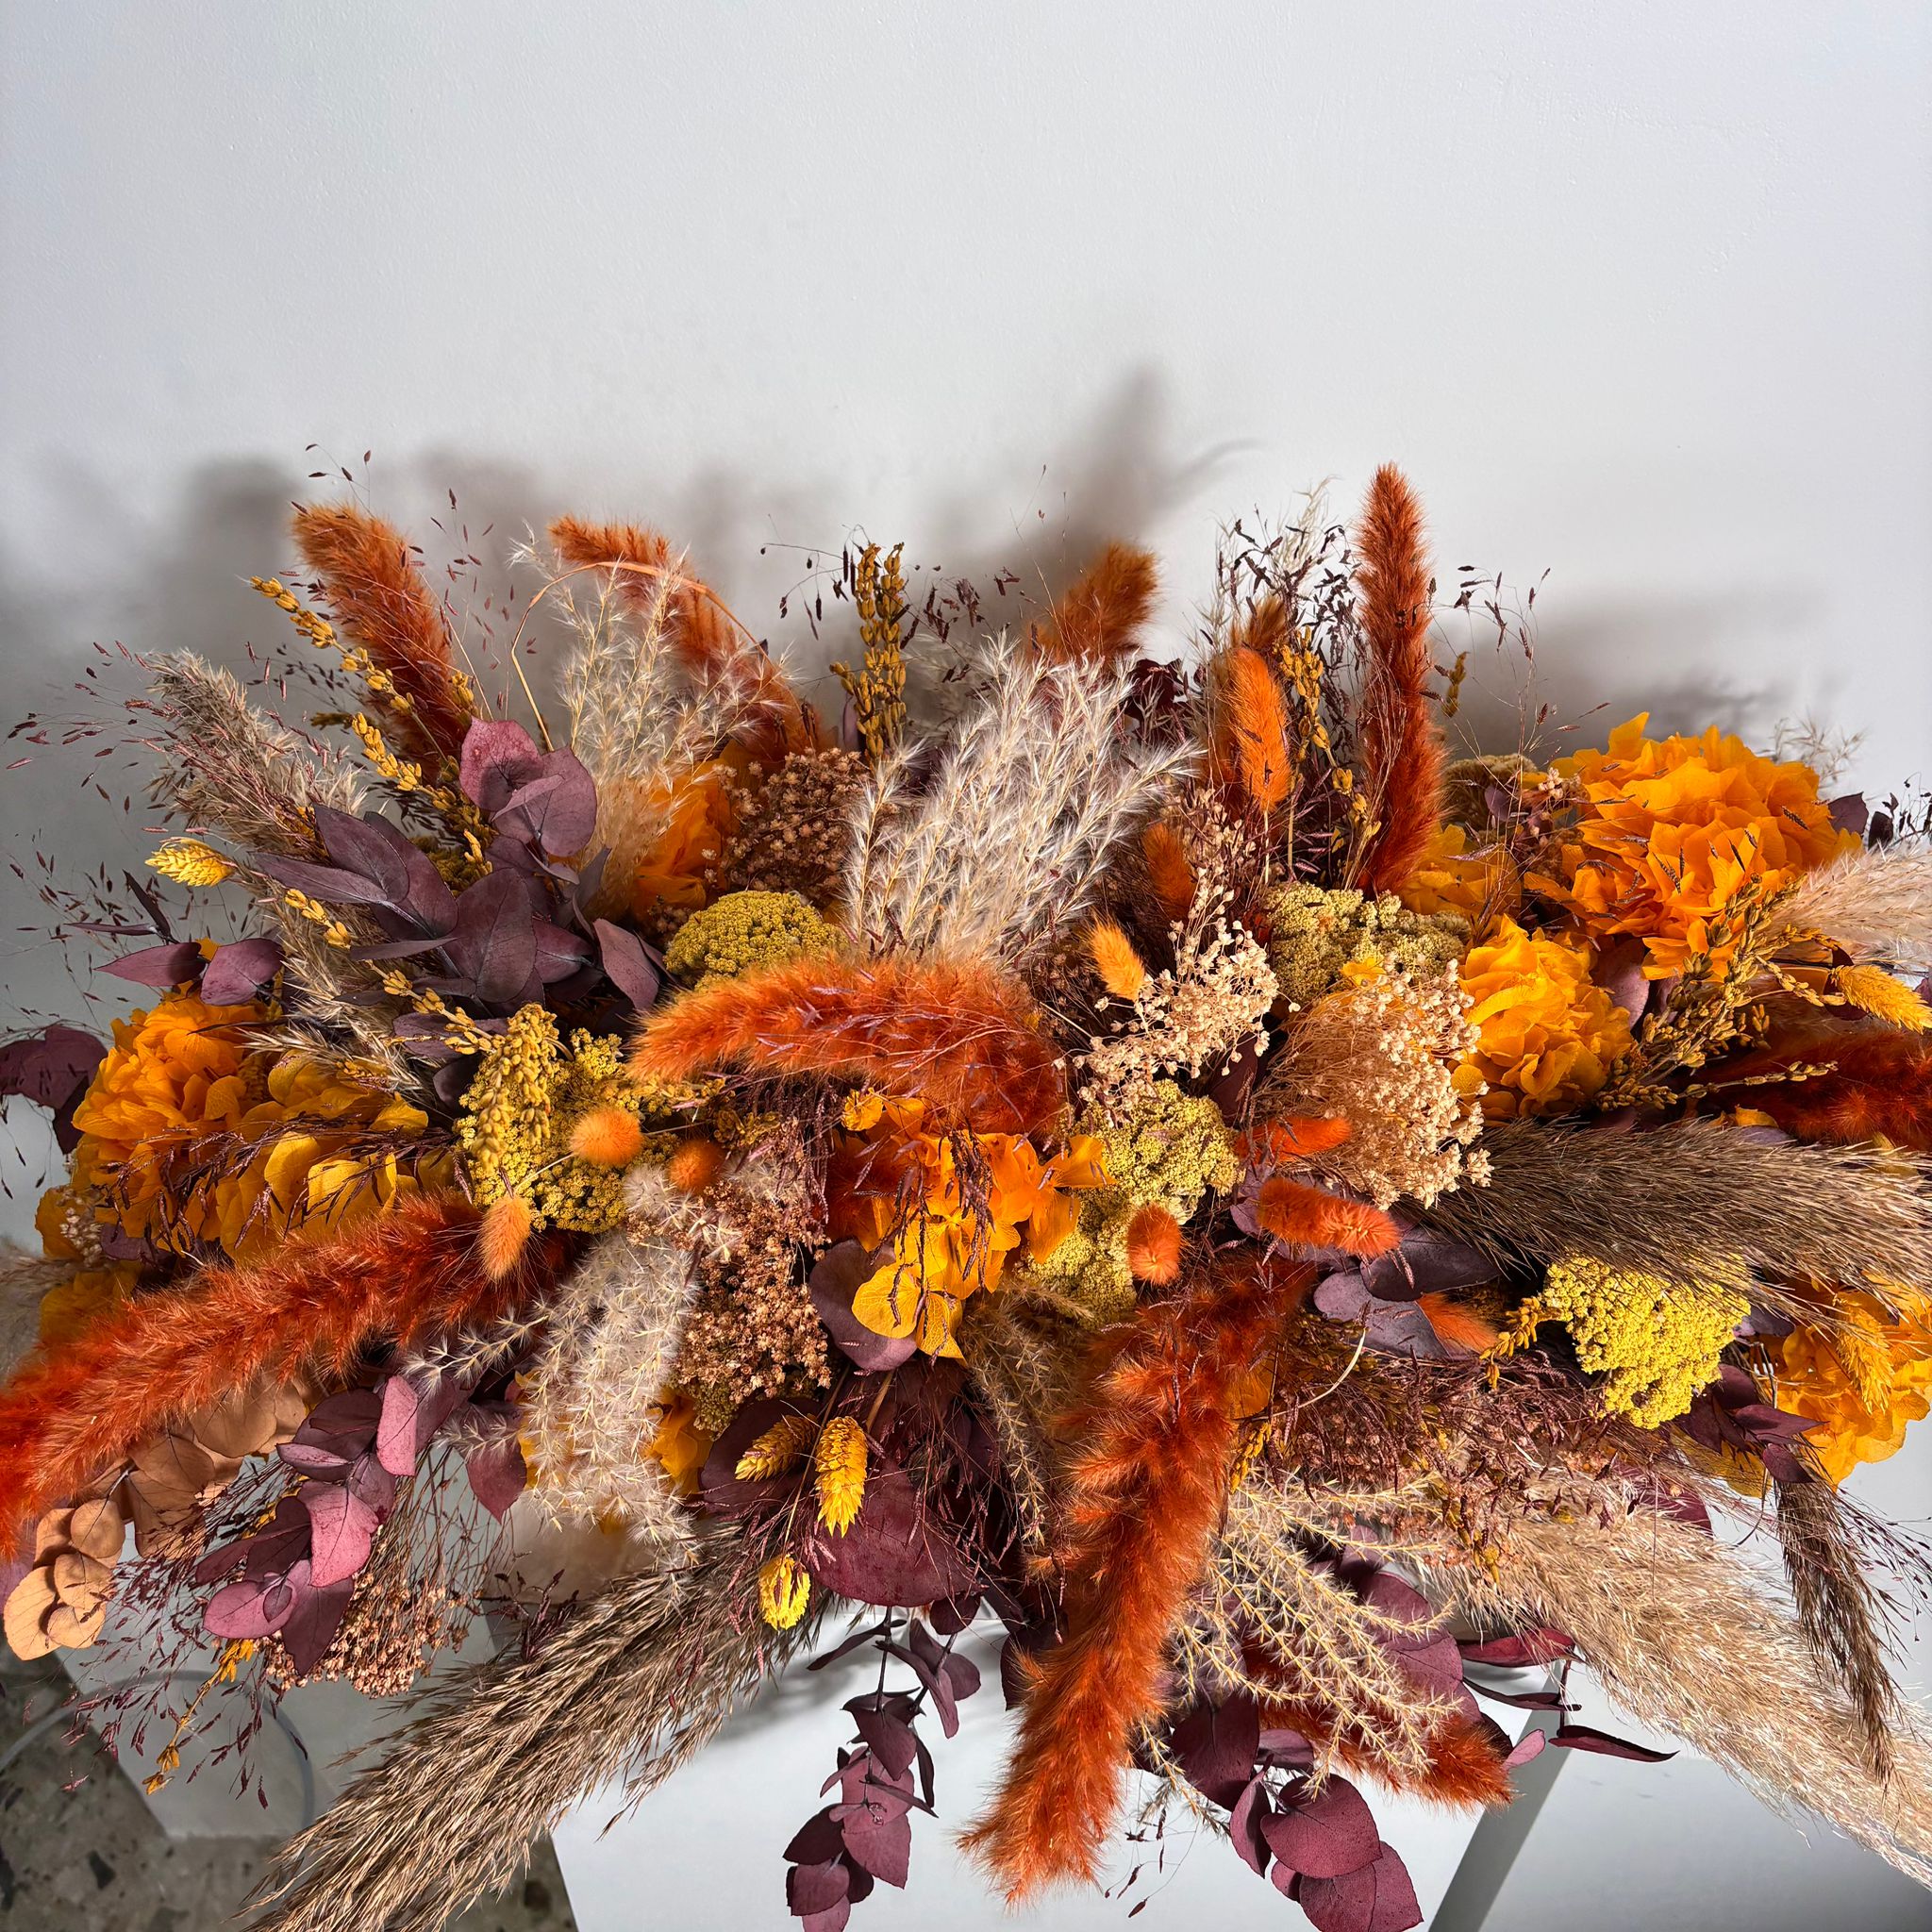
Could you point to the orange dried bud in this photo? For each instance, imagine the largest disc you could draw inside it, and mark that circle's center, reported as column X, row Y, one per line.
column 1121, row 970
column 1276, row 1143
column 504, row 1234
column 608, row 1136
column 1458, row 1324
column 1314, row 1219
column 1168, row 869
column 694, row 1166
column 1153, row 1245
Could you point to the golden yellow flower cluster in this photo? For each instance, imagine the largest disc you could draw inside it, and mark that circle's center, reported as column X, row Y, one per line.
column 1674, row 829
column 742, row 932
column 185, row 1077
column 1654, row 1342
column 961, row 1229
column 1547, row 1034
column 1863, row 1381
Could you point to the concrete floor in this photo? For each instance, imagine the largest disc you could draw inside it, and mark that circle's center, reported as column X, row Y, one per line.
column 91, row 1858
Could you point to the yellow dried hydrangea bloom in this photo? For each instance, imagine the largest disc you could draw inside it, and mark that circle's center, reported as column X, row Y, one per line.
column 1654, row 1342
column 1547, row 1034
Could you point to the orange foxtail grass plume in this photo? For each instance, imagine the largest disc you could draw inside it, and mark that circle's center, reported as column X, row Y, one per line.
column 1114, row 958
column 1282, row 1141
column 1401, row 749
column 1253, row 728
column 1457, row 1324
column 1880, row 1083
column 1100, row 617
column 1264, row 628
column 1145, row 1489
column 504, row 1235
column 706, row 640
column 608, row 1136
column 82, row 1409
column 1313, row 1218
column 1464, row 1765
column 696, row 1165
column 1153, row 1245
column 959, row 1035
column 381, row 602
column 1169, row 870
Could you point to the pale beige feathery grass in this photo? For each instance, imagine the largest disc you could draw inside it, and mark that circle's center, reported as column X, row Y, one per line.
column 1876, row 903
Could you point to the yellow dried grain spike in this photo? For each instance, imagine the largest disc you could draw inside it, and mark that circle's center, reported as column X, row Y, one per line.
column 784, row 1590
column 782, row 1444
column 191, row 862
column 839, row 1464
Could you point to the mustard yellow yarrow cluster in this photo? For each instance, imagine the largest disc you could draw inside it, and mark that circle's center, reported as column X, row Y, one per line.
column 1314, row 933
column 529, row 1091
column 1656, row 1342
column 744, row 931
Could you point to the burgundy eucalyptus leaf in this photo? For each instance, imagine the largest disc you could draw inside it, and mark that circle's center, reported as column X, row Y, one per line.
column 887, row 1735
column 1251, row 1811
column 1327, row 1833
column 407, row 876
column 235, row 972
column 331, row 884
column 864, row 1635
column 627, row 964
column 1850, row 812
column 1521, row 1651
column 1586, row 1738
column 342, row 1530
column 1377, row 1898
column 835, row 1280
column 162, row 966
column 497, row 756
column 1530, row 1745
column 371, row 1484
column 255, row 1607
column 559, row 952
column 951, row 1615
column 314, row 1618
column 497, row 1474
column 937, row 1688
column 314, row 1459
column 894, row 1555
column 879, row 1840
column 1215, row 1745
column 817, row 1842
column 53, row 1070
column 556, row 809
column 493, row 946
column 351, row 1416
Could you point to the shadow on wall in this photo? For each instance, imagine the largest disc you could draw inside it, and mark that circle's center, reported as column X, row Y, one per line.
column 1019, row 530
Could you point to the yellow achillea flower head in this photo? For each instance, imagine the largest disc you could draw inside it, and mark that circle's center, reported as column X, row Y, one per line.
column 1654, row 1342
column 1548, row 1034
column 784, row 1590
column 1873, row 991
column 191, row 862
column 744, row 931
column 838, row 1473
column 1674, row 829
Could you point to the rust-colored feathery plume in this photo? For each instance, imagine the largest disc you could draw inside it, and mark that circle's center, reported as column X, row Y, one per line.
column 1099, row 619
column 80, row 1409
column 705, row 637
column 1461, row 1764
column 959, row 1035
column 1401, row 749
column 382, row 603
column 1879, row 1083
column 1313, row 1218
column 1253, row 735
column 1145, row 1489
column 1169, row 870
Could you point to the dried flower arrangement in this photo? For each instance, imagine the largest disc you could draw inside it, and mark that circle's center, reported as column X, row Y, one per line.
column 1151, row 1152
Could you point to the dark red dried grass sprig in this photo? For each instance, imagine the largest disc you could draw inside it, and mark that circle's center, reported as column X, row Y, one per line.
column 78, row 1412
column 1100, row 617
column 1145, row 1489
column 703, row 636
column 1401, row 760
column 381, row 602
column 959, row 1035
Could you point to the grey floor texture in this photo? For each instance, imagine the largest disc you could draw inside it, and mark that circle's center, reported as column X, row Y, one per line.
column 90, row 1859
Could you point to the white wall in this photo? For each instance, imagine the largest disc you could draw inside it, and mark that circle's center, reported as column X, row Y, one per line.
column 1642, row 296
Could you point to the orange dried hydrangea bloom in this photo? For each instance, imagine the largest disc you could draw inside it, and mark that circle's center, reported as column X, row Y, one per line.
column 1548, row 1034
column 1449, row 877
column 696, row 820
column 1864, row 1386
column 1672, row 829
column 185, row 1073
column 951, row 1246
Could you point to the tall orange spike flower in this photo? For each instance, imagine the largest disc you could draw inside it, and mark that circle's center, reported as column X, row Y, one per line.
column 959, row 1035
column 379, row 599
column 1145, row 1490
column 1253, row 723
column 1169, row 870
column 701, row 633
column 1401, row 755
column 1100, row 617
column 84, row 1408
column 1314, row 1219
